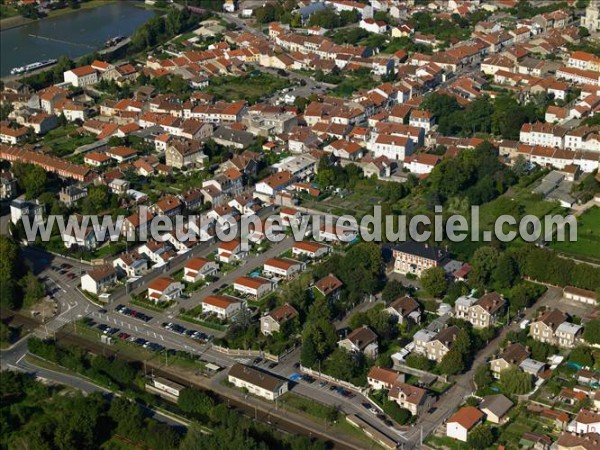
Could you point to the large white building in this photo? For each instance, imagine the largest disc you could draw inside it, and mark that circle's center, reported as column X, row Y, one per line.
column 591, row 20
column 81, row 76
column 257, row 382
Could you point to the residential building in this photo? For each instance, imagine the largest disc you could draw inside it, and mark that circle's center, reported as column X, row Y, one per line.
column 495, row 407
column 313, row 250
column 81, row 76
column 224, row 307
column 131, row 264
column 283, row 267
column 164, row 289
column 271, row 322
column 257, row 382
column 552, row 327
column 99, row 279
column 21, row 209
column 405, row 310
column 482, row 312
column 361, row 340
column 587, row 421
column 381, row 378
column 329, row 287
column 255, row 287
column 462, row 422
column 513, row 355
column 415, row 257
column 410, row 397
column 436, row 348
column 197, row 269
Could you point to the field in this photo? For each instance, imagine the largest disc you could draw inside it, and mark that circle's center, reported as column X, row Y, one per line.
column 587, row 245
column 251, row 88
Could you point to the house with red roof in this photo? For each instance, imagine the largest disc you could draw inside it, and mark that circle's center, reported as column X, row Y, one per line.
column 462, row 422
column 254, row 287
column 283, row 267
column 223, row 306
column 231, row 251
column 313, row 250
column 164, row 289
column 197, row 269
column 81, row 76
column 271, row 322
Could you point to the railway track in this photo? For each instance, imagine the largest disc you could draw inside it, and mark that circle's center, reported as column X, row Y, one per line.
column 259, row 414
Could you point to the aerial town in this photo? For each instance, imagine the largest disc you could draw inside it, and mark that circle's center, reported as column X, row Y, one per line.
column 214, row 112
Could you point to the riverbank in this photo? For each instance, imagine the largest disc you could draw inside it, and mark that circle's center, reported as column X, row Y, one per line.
column 19, row 21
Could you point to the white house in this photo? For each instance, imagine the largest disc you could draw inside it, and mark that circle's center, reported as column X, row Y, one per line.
column 257, row 382
column 313, row 250
column 231, row 251
column 463, row 421
column 283, row 267
column 131, row 264
column 197, row 269
column 81, row 76
column 382, row 378
column 587, row 421
column 99, row 279
column 271, row 322
column 421, row 119
column 395, row 148
column 253, row 286
column 164, row 289
column 373, row 26
column 362, row 340
column 222, row 306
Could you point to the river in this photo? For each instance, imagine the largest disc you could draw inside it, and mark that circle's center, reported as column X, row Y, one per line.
column 73, row 34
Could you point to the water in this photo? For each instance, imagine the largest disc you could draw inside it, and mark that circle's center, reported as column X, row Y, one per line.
column 73, row 34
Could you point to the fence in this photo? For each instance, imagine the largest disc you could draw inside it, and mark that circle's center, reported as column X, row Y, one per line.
column 330, row 379
column 246, row 353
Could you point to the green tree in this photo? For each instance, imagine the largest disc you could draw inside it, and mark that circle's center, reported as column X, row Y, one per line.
column 34, row 182
column 582, row 355
column 33, row 289
column 591, row 332
column 483, row 377
column 484, row 263
column 392, row 290
column 433, row 281
column 514, row 381
column 419, row 362
column 195, row 402
column 9, row 252
column 480, row 437
column 506, row 272
column 452, row 363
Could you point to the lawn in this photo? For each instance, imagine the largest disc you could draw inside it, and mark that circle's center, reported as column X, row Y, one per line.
column 517, row 202
column 446, row 443
column 64, row 140
column 148, row 304
column 251, row 88
column 588, row 237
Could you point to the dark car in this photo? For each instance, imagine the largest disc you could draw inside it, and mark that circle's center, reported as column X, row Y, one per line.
column 102, row 311
column 272, row 365
column 296, row 365
column 333, row 387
